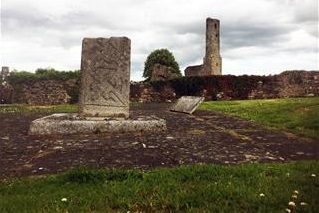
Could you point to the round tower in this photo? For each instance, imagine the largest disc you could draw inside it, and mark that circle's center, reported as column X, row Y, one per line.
column 212, row 59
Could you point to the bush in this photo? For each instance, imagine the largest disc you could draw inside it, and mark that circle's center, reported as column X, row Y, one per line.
column 19, row 77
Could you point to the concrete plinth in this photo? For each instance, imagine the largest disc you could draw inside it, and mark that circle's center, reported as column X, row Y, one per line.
column 72, row 123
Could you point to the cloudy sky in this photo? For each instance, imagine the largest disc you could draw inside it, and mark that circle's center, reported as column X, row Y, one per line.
column 258, row 37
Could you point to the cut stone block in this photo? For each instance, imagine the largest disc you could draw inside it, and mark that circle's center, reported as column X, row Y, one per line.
column 105, row 77
column 187, row 104
column 71, row 123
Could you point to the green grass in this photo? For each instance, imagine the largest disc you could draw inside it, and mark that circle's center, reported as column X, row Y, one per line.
column 67, row 108
column 198, row 188
column 297, row 115
column 38, row 109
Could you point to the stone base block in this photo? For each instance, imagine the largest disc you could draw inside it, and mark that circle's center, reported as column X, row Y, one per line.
column 72, row 123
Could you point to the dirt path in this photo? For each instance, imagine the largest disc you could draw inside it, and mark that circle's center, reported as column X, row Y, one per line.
column 204, row 137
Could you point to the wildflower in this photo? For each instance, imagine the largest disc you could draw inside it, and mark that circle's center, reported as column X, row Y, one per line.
column 288, row 210
column 303, row 204
column 261, row 195
column 64, row 199
column 296, row 192
column 294, row 196
column 292, row 204
column 313, row 175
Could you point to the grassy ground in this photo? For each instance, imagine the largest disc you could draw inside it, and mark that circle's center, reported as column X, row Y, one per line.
column 67, row 108
column 199, row 188
column 297, row 115
column 38, row 109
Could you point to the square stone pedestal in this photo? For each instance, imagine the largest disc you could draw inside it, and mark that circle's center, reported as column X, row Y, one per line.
column 72, row 123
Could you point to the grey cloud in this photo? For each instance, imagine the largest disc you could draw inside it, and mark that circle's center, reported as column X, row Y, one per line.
column 26, row 18
column 197, row 28
column 239, row 35
column 85, row 19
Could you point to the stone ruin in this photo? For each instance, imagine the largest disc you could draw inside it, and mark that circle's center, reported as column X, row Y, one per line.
column 6, row 90
column 48, row 92
column 104, row 94
column 162, row 73
column 212, row 63
column 5, row 72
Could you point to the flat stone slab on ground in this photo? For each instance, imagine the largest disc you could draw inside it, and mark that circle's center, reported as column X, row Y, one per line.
column 187, row 104
column 71, row 123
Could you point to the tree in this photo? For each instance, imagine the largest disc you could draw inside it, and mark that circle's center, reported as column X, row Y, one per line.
column 163, row 57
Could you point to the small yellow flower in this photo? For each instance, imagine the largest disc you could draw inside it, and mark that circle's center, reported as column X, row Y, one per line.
column 294, row 196
column 303, row 204
column 296, row 192
column 313, row 175
column 288, row 210
column 261, row 195
column 64, row 199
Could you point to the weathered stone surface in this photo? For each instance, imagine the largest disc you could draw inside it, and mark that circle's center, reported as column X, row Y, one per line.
column 5, row 71
column 162, row 73
column 212, row 60
column 187, row 104
column 71, row 123
column 105, row 77
column 104, row 95
column 195, row 70
column 47, row 92
column 212, row 63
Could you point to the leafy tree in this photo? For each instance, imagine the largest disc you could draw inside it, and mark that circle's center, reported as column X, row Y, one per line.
column 163, row 57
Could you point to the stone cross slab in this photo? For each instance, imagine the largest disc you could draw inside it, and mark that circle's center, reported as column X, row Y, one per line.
column 104, row 94
column 105, row 77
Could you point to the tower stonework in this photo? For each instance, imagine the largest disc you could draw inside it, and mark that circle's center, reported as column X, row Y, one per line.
column 212, row 60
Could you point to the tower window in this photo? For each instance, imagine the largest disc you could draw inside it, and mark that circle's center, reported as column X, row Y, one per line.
column 215, row 26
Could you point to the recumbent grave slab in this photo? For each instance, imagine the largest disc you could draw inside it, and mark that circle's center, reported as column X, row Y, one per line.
column 104, row 94
column 187, row 104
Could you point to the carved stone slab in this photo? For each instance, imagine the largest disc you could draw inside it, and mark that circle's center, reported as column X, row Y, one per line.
column 187, row 104
column 105, row 77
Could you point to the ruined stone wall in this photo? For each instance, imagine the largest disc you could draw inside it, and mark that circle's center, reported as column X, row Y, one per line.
column 229, row 87
column 45, row 92
column 225, row 87
column 162, row 73
column 152, row 92
column 48, row 92
column 196, row 70
column 6, row 93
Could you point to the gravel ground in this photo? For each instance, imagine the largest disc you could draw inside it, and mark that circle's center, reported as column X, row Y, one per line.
column 204, row 137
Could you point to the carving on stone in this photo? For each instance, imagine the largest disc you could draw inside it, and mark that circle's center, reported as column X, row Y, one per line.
column 104, row 94
column 105, row 75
